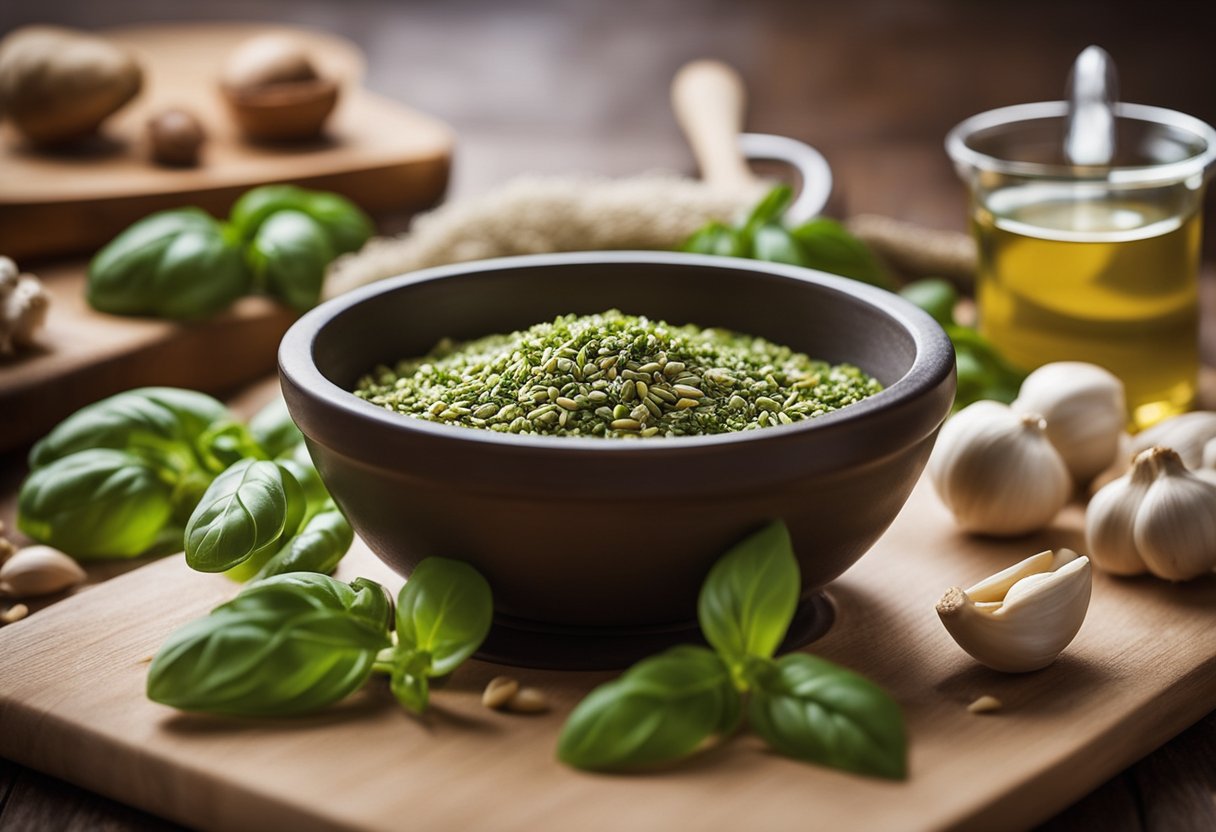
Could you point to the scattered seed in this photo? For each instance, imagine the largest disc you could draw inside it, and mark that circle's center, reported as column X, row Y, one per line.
column 625, row 424
column 14, row 613
column 985, row 705
column 528, row 701
column 578, row 375
column 499, row 691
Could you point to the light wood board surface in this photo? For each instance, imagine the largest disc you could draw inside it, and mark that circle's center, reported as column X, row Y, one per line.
column 85, row 355
column 1142, row 668
column 381, row 154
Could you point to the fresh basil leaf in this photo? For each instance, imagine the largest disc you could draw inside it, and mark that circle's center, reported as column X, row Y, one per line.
column 409, row 680
column 298, row 463
column 100, row 503
column 345, row 224
column 445, row 610
column 372, row 602
column 273, row 429
column 242, row 515
column 771, row 208
column 226, row 443
column 289, row 255
column 317, row 547
column 828, row 247
column 164, row 421
column 716, row 238
column 982, row 372
column 281, row 647
column 173, row 264
column 773, row 243
column 808, row 708
column 660, row 710
column 748, row 600
column 934, row 295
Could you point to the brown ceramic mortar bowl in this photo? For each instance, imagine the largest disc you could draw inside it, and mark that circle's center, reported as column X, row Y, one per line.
column 596, row 548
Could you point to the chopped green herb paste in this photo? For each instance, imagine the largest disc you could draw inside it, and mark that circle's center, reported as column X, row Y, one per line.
column 615, row 375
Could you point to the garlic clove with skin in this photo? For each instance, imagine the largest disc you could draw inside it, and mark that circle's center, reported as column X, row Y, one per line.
column 1175, row 528
column 39, row 570
column 1085, row 410
column 1186, row 434
column 1111, row 518
column 1021, row 618
column 997, row 472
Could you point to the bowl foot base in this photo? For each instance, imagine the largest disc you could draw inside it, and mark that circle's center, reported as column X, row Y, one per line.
column 526, row 644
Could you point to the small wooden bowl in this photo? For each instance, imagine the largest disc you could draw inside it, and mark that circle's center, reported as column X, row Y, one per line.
column 289, row 111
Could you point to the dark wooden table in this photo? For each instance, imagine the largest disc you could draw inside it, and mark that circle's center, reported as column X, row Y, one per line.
column 572, row 85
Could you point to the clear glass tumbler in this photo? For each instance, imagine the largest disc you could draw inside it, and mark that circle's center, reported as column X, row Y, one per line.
column 1091, row 263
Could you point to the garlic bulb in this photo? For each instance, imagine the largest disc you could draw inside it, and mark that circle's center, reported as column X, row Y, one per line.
column 1185, row 434
column 1085, row 411
column 997, row 472
column 1110, row 520
column 1175, row 529
column 1022, row 617
column 1158, row 517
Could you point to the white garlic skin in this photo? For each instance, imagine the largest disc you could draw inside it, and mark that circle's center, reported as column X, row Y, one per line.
column 997, row 472
column 1159, row 517
column 1175, row 529
column 1186, row 434
column 1110, row 520
column 39, row 570
column 1021, row 618
column 1085, row 409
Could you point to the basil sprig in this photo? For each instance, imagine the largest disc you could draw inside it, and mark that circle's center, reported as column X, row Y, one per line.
column 157, row 468
column 663, row 708
column 184, row 264
column 286, row 645
column 444, row 612
column 301, row 641
column 820, row 243
column 825, row 245
column 666, row 707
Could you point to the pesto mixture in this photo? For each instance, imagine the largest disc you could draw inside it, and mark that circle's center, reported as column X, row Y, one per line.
column 615, row 375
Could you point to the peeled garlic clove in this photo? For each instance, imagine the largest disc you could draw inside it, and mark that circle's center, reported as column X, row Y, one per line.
column 1038, row 607
column 997, row 472
column 39, row 570
column 1175, row 528
column 1085, row 411
column 1111, row 518
column 1187, row 434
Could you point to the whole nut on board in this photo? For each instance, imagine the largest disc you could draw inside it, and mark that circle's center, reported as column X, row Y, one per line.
column 176, row 138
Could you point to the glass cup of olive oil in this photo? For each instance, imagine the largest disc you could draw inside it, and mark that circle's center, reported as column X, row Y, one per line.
column 1095, row 263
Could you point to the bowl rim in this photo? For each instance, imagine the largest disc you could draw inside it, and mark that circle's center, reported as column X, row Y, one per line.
column 932, row 363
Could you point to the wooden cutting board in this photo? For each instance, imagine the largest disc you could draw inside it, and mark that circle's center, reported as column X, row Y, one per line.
column 381, row 154
column 384, row 156
column 85, row 355
column 1142, row 668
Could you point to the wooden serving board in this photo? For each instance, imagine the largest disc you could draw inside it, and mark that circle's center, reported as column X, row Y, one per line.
column 1142, row 668
column 85, row 355
column 384, row 156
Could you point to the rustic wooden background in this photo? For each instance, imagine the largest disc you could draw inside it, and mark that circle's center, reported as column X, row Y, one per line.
column 576, row 85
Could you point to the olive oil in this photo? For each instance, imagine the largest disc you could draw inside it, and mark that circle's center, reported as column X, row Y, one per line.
column 1108, row 281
